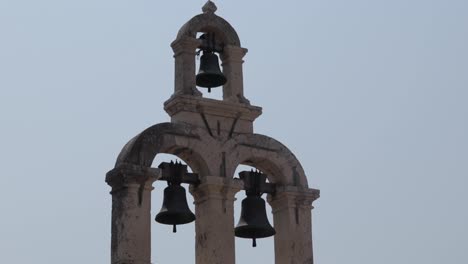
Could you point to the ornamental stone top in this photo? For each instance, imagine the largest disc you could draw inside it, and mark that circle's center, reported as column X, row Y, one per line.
column 209, row 8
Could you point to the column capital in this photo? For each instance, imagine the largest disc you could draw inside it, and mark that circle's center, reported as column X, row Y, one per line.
column 218, row 188
column 290, row 197
column 185, row 45
column 233, row 54
column 128, row 174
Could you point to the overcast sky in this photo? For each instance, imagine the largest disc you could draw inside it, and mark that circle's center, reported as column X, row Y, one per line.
column 371, row 96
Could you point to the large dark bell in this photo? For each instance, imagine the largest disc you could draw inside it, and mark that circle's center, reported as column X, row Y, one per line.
column 253, row 222
column 210, row 74
column 175, row 210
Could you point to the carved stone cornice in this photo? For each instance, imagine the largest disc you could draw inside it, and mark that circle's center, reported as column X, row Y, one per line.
column 292, row 197
column 183, row 103
column 129, row 174
column 233, row 54
column 217, row 188
column 186, row 45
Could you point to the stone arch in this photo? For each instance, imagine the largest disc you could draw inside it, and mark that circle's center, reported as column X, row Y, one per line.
column 181, row 140
column 270, row 156
column 212, row 23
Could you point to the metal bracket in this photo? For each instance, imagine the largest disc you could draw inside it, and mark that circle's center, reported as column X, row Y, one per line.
column 208, row 43
column 176, row 173
column 255, row 183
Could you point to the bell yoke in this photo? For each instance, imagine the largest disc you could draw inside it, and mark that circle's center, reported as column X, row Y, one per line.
column 213, row 137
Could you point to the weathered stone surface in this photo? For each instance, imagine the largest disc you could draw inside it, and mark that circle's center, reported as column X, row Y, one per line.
column 213, row 137
column 131, row 218
column 214, row 199
column 212, row 115
column 293, row 224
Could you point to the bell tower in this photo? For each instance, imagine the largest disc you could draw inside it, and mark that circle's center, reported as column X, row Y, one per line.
column 234, row 113
column 213, row 137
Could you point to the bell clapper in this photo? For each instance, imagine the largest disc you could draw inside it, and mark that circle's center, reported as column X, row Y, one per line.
column 174, row 229
column 209, row 89
column 254, row 242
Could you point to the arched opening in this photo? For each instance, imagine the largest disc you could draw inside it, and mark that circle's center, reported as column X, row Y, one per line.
column 213, row 92
column 271, row 157
column 163, row 240
column 245, row 253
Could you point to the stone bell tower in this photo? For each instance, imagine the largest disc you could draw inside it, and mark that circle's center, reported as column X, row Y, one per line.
column 213, row 137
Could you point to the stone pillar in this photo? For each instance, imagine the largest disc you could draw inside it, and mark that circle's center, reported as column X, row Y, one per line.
column 214, row 226
column 184, row 54
column 131, row 214
column 293, row 224
column 233, row 90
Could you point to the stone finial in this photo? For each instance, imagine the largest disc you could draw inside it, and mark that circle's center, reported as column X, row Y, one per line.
column 209, row 7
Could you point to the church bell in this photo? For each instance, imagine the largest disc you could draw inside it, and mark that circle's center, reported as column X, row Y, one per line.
column 175, row 210
column 210, row 74
column 253, row 222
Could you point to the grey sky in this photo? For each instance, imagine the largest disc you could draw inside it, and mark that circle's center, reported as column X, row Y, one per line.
column 370, row 95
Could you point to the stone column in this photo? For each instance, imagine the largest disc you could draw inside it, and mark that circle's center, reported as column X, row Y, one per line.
column 184, row 54
column 233, row 90
column 131, row 214
column 293, row 224
column 214, row 226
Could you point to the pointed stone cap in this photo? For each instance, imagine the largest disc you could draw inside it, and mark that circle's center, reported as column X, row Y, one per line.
column 209, row 8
